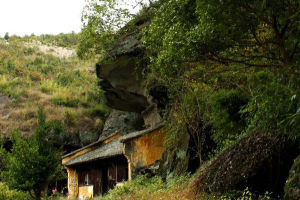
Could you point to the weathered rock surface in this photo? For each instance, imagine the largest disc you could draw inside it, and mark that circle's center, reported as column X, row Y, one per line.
column 87, row 137
column 122, row 83
column 261, row 163
column 292, row 186
column 122, row 121
column 175, row 161
column 120, row 74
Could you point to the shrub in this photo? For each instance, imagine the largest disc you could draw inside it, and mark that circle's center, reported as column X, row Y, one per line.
column 7, row 194
column 33, row 162
column 29, row 51
column 65, row 101
column 188, row 118
column 143, row 187
column 99, row 111
column 38, row 61
column 273, row 106
column 292, row 186
column 48, row 86
column 225, row 114
column 36, row 76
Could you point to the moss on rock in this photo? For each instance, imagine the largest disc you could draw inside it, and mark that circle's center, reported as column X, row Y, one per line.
column 292, row 186
column 260, row 162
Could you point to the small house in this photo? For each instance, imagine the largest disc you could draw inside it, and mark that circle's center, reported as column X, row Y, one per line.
column 100, row 166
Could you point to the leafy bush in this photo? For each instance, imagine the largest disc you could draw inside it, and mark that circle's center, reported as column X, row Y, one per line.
column 272, row 105
column 292, row 186
column 99, row 111
column 143, row 187
column 65, row 101
column 225, row 114
column 68, row 78
column 7, row 194
column 33, row 162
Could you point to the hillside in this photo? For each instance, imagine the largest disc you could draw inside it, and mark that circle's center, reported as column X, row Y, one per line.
column 52, row 77
column 184, row 100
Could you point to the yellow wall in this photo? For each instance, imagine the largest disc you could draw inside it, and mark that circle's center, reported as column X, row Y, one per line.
column 145, row 150
column 72, row 183
column 86, row 192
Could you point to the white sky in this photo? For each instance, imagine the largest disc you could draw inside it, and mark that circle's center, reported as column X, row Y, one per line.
column 22, row 17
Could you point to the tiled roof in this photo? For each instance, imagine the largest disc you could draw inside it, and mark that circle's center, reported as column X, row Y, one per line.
column 100, row 140
column 111, row 149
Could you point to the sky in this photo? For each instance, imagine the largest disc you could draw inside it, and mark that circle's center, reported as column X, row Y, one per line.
column 21, row 17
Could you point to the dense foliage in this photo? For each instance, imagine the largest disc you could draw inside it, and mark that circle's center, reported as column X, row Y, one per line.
column 292, row 186
column 143, row 187
column 7, row 194
column 230, row 67
column 33, row 162
column 102, row 20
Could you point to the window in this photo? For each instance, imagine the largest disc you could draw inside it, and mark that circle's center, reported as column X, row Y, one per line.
column 86, row 179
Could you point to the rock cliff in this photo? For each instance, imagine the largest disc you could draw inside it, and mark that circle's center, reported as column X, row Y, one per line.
column 122, row 75
column 123, row 122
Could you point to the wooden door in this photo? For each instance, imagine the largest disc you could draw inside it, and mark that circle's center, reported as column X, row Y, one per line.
column 112, row 176
column 82, row 177
column 96, row 181
column 122, row 173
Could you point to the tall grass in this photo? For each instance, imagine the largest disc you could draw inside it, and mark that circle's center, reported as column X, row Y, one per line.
column 29, row 76
column 143, row 188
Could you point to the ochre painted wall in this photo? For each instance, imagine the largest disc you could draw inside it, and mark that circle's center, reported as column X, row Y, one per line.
column 72, row 183
column 145, row 150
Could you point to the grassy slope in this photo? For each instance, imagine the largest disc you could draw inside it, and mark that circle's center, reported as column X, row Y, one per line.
column 176, row 188
column 143, row 188
column 65, row 87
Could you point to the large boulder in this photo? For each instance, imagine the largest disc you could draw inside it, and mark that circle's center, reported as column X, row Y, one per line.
column 259, row 162
column 122, row 75
column 123, row 122
column 292, row 186
column 121, row 72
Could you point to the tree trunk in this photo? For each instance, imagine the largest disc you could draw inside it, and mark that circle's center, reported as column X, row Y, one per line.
column 38, row 194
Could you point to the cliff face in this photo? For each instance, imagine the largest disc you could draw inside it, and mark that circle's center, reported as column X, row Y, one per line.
column 122, row 83
column 121, row 75
column 123, row 122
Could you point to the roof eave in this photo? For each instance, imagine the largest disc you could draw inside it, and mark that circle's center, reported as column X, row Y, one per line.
column 142, row 133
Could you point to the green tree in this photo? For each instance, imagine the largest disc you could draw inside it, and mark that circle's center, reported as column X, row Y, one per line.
column 33, row 162
column 101, row 20
column 6, row 36
column 260, row 33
